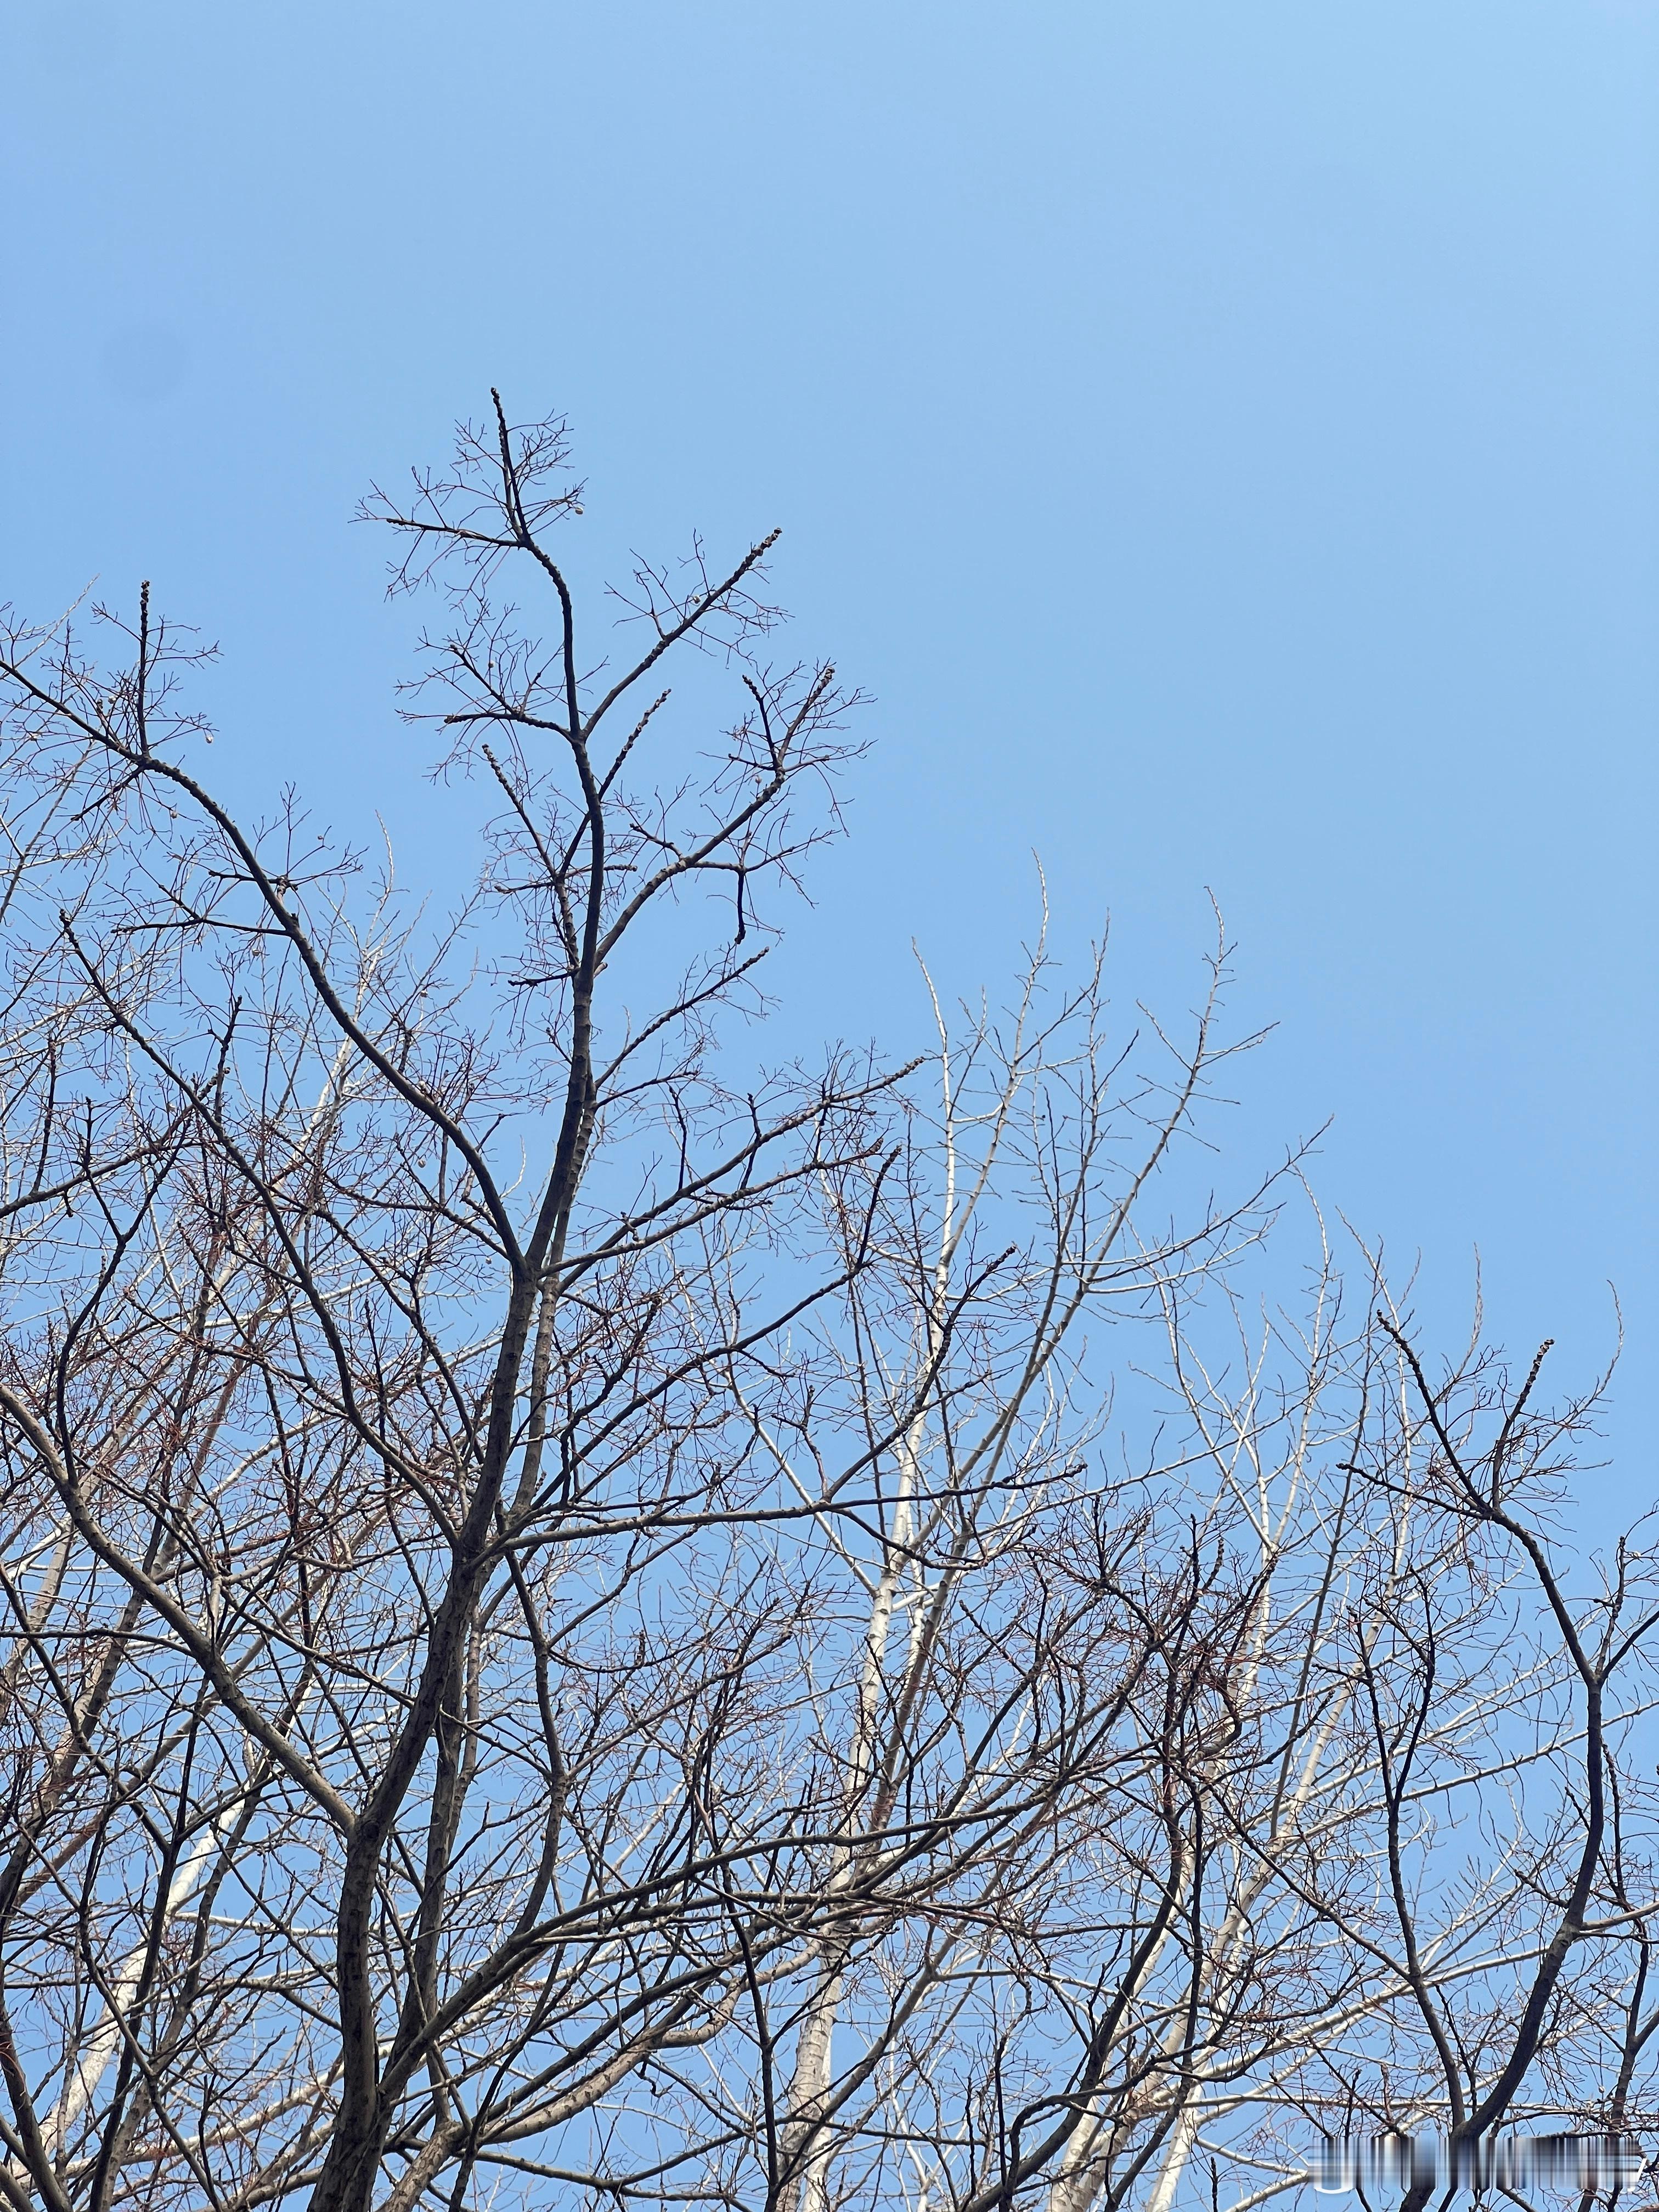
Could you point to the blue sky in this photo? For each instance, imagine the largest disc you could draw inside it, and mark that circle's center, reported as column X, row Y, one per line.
column 1221, row 437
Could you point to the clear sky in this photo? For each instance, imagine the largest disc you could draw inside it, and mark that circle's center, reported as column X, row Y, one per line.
column 1221, row 436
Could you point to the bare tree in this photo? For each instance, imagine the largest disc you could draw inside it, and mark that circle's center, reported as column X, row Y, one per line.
column 1504, row 1709
column 544, row 1580
column 583, row 1620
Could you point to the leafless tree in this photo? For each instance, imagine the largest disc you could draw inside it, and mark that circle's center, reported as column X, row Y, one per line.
column 1504, row 1682
column 1459, row 1753
column 583, row 1619
column 466, row 1458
